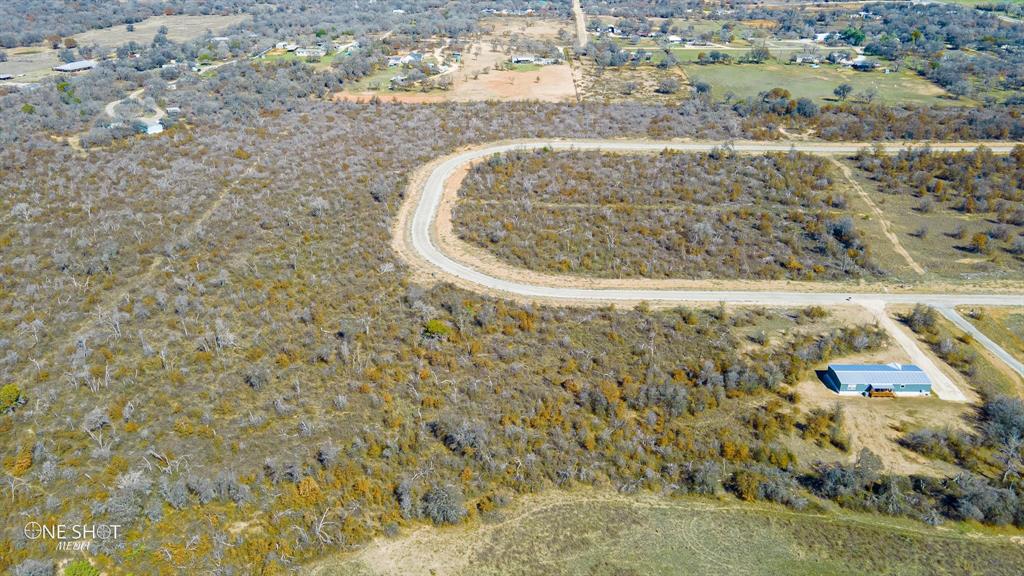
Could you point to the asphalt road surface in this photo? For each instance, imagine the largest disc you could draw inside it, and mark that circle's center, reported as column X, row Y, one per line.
column 971, row 329
column 425, row 212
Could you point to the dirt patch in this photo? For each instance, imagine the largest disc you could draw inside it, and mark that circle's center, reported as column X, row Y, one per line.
column 629, row 84
column 539, row 28
column 548, row 84
column 878, row 423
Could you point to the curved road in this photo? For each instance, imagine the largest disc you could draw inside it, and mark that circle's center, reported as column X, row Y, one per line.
column 418, row 235
column 421, row 240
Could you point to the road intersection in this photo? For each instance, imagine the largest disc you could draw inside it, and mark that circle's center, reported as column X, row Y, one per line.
column 417, row 239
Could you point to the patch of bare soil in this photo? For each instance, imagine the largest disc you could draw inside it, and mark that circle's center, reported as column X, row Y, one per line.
column 878, row 423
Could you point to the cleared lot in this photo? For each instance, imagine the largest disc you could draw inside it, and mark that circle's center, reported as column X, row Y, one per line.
column 179, row 29
column 743, row 80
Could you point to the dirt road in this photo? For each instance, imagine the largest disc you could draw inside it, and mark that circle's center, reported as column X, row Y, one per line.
column 581, row 23
column 416, row 239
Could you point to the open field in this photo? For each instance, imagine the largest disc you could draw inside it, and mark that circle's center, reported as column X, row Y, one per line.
column 743, row 80
column 1004, row 325
column 937, row 251
column 595, row 533
column 29, row 64
column 180, row 28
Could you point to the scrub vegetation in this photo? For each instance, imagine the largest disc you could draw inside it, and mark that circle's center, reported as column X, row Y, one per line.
column 206, row 339
column 978, row 197
column 669, row 215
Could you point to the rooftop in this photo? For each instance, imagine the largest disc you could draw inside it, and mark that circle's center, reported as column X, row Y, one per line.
column 894, row 367
column 76, row 66
column 907, row 374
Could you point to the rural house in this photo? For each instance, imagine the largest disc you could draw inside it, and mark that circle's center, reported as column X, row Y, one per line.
column 878, row 379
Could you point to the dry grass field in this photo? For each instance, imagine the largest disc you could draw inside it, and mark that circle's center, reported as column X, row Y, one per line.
column 627, row 83
column 601, row 533
column 180, row 28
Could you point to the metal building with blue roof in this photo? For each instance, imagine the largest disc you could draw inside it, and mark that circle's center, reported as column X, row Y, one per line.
column 878, row 379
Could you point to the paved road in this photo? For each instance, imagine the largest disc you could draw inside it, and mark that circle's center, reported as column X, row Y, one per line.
column 420, row 239
column 425, row 212
column 971, row 329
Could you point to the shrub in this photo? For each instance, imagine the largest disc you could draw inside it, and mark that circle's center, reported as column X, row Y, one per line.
column 1002, row 419
column 437, row 328
column 668, row 86
column 921, row 319
column 34, row 568
column 444, row 505
column 10, row 396
column 80, row 568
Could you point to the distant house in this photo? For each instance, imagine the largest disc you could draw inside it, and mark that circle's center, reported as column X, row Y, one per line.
column 398, row 11
column 838, row 57
column 310, row 52
column 675, row 39
column 523, row 59
column 878, row 379
column 6, row 77
column 863, row 65
column 79, row 66
column 281, row 45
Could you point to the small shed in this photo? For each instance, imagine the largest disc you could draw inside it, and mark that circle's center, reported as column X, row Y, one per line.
column 866, row 379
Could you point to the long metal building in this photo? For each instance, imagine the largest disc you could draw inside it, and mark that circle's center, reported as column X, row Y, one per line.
column 878, row 379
